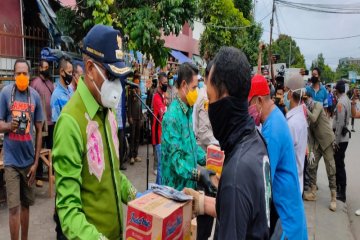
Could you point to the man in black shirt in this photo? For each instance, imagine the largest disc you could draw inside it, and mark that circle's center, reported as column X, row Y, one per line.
column 242, row 205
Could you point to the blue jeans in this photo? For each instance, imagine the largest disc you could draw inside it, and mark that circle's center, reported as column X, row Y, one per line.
column 158, row 154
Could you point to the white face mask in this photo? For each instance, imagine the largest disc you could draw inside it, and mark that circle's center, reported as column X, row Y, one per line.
column 110, row 91
column 302, row 92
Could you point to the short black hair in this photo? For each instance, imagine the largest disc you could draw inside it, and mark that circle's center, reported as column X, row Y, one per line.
column 185, row 72
column 21, row 60
column 162, row 75
column 231, row 73
column 296, row 96
column 63, row 62
column 318, row 70
column 208, row 68
column 43, row 61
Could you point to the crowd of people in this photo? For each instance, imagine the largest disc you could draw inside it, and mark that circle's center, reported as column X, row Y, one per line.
column 273, row 134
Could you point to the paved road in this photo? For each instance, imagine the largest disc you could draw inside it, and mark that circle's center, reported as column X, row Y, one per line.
column 322, row 223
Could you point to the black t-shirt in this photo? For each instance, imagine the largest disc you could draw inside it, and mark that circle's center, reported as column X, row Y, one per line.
column 244, row 194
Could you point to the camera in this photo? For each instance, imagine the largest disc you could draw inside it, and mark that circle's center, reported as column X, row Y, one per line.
column 23, row 122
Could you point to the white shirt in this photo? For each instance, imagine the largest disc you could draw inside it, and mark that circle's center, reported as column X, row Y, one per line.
column 299, row 132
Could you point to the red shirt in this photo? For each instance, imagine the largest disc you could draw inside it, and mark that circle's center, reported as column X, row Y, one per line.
column 159, row 108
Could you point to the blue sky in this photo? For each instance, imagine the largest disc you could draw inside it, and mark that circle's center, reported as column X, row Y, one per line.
column 301, row 23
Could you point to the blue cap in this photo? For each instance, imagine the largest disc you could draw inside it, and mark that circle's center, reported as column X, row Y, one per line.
column 104, row 44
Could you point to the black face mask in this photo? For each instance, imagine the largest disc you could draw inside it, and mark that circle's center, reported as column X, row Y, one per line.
column 314, row 80
column 67, row 78
column 164, row 87
column 45, row 73
column 230, row 121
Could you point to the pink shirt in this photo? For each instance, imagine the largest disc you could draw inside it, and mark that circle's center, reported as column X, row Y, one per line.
column 45, row 88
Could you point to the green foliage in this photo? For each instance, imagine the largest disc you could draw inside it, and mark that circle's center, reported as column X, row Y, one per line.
column 142, row 20
column 327, row 74
column 244, row 6
column 221, row 13
column 342, row 71
column 281, row 46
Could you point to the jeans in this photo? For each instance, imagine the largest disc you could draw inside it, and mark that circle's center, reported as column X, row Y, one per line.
column 158, row 155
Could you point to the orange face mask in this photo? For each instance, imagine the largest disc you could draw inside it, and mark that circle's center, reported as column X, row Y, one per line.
column 22, row 82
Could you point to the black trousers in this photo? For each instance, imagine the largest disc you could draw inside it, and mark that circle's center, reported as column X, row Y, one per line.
column 340, row 164
column 135, row 138
column 204, row 222
column 204, row 226
column 121, row 136
column 306, row 176
column 47, row 143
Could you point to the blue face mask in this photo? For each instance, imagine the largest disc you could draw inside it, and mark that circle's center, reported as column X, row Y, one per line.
column 201, row 84
column 171, row 82
column 286, row 101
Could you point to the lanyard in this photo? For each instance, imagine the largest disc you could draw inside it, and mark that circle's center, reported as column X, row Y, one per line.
column 28, row 98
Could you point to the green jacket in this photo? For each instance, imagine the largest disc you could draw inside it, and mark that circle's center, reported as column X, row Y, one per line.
column 179, row 152
column 90, row 189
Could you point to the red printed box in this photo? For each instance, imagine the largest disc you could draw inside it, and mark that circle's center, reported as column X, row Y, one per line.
column 215, row 159
column 155, row 217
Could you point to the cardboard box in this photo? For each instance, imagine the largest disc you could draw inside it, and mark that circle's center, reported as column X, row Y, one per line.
column 155, row 217
column 215, row 159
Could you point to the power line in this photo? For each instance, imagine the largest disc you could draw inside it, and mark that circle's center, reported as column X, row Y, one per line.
column 321, row 39
column 323, row 8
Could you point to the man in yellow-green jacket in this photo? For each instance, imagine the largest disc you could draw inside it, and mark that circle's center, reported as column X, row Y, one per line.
column 90, row 188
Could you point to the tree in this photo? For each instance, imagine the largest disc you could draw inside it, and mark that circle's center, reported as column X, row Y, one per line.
column 142, row 21
column 288, row 51
column 244, row 6
column 220, row 17
column 327, row 74
column 254, row 32
column 342, row 71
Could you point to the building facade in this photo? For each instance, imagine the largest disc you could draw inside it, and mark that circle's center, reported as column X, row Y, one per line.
column 349, row 60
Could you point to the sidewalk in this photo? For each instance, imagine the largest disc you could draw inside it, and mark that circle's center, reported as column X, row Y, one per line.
column 322, row 223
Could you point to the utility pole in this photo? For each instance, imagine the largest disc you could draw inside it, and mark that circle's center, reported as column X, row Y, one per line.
column 290, row 54
column 254, row 8
column 270, row 53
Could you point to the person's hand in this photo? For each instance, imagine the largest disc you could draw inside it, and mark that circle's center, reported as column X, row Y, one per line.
column 311, row 158
column 205, row 179
column 131, row 121
column 14, row 124
column 335, row 146
column 31, row 174
column 198, row 201
column 281, row 103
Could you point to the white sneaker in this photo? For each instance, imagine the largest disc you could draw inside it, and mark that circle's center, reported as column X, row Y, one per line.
column 155, row 172
column 357, row 212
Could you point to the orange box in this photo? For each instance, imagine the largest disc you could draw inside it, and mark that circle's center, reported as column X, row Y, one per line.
column 155, row 217
column 215, row 159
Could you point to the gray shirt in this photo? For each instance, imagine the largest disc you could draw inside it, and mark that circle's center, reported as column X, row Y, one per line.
column 342, row 118
column 202, row 127
column 18, row 148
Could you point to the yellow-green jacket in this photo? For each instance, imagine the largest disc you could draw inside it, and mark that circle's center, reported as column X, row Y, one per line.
column 90, row 189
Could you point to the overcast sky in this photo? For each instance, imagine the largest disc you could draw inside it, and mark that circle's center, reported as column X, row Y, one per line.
column 301, row 23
